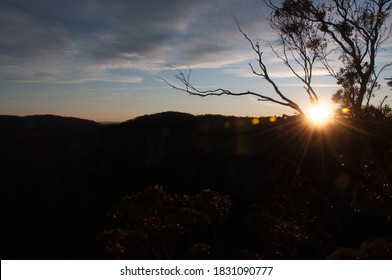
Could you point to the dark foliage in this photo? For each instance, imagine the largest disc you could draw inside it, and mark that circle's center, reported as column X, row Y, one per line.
column 276, row 188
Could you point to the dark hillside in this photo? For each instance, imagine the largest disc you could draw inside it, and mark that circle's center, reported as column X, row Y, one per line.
column 271, row 188
column 173, row 148
column 48, row 191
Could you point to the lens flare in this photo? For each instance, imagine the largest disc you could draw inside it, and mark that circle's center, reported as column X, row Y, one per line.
column 345, row 110
column 272, row 119
column 255, row 121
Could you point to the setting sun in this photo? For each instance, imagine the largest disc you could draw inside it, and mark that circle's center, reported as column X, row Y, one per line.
column 319, row 114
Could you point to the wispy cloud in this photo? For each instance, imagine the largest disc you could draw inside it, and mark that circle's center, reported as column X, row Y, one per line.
column 48, row 78
column 45, row 41
column 82, row 41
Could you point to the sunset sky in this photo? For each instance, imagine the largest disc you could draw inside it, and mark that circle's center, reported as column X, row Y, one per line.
column 100, row 60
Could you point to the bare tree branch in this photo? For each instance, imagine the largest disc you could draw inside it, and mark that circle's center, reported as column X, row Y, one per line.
column 187, row 86
column 192, row 90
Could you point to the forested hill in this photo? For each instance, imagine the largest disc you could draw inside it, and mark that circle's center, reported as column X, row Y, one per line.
column 61, row 176
column 45, row 122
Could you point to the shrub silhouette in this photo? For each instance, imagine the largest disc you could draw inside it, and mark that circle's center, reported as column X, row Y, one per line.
column 153, row 224
column 377, row 249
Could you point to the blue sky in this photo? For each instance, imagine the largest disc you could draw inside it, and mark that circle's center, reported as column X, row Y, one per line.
column 100, row 59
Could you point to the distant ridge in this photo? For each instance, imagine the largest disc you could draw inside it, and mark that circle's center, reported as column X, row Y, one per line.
column 165, row 115
column 45, row 122
column 49, row 121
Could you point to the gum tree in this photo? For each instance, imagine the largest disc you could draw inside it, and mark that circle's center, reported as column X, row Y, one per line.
column 355, row 31
column 348, row 32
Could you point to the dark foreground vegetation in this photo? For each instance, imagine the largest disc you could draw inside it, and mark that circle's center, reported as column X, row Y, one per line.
column 177, row 186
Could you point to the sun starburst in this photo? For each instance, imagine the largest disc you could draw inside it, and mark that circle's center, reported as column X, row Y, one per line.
column 319, row 114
